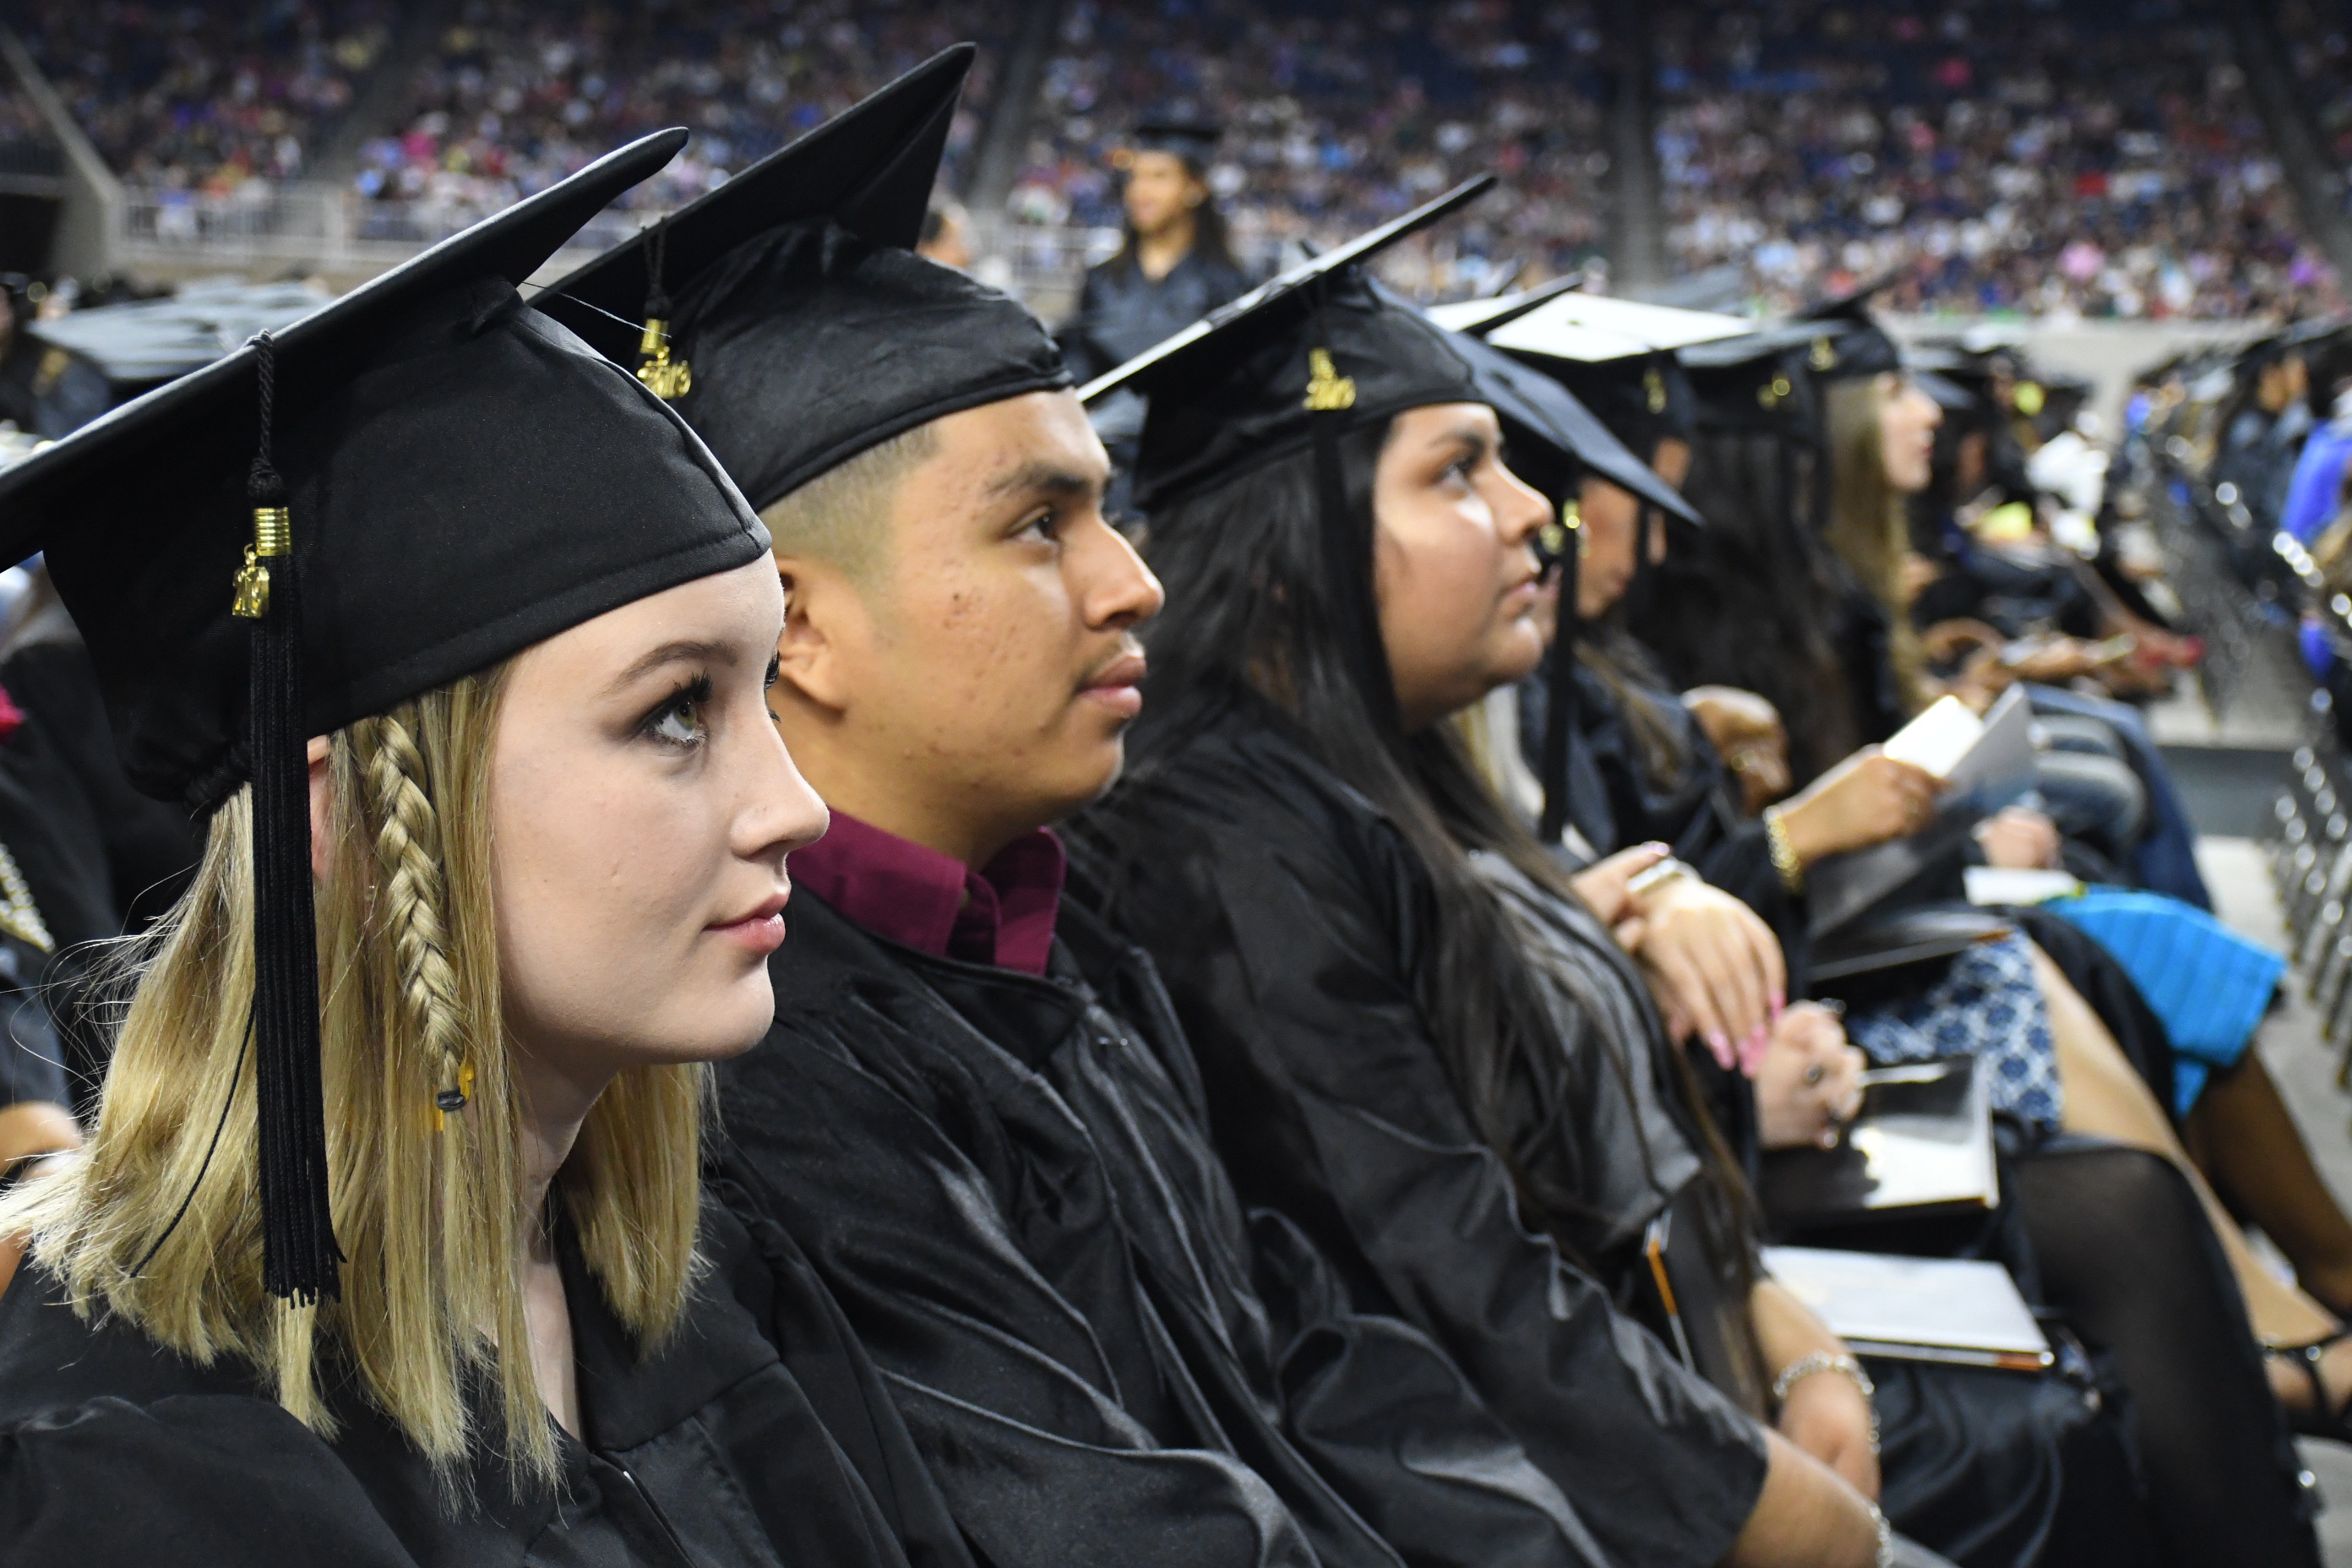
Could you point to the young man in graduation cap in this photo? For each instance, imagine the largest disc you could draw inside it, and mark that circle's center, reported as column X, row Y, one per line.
column 976, row 1111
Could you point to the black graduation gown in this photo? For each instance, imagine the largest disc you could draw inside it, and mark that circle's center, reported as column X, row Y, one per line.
column 151, row 847
column 1286, row 917
column 758, row 1435
column 1006, row 1181
column 1973, row 1459
column 1614, row 801
column 1121, row 312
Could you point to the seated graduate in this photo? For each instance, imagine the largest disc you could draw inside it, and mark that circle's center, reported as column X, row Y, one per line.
column 976, row 1113
column 1329, row 892
column 390, row 1246
column 1642, row 763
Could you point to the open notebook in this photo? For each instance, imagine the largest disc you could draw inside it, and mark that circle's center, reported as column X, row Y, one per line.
column 1981, row 762
column 1923, row 1144
column 1916, row 1308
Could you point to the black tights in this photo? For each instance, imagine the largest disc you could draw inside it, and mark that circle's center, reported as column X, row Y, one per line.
column 2124, row 1250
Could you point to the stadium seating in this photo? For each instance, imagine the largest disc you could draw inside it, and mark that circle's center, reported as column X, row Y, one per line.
column 2103, row 160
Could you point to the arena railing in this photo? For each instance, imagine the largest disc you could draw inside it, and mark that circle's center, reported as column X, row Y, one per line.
column 287, row 224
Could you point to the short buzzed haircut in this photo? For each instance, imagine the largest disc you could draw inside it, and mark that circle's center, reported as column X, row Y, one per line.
column 841, row 517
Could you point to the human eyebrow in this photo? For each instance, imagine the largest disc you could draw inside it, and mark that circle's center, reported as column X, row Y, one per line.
column 683, row 651
column 1046, row 480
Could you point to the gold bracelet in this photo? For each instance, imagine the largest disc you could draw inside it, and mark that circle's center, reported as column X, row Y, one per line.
column 1784, row 854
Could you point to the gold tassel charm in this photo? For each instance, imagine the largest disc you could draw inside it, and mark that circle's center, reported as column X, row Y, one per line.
column 19, row 916
column 1328, row 391
column 273, row 538
column 450, row 1099
column 1554, row 537
column 668, row 378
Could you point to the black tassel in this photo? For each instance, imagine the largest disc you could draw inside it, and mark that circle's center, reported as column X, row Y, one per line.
column 298, row 1238
column 1348, row 547
column 1561, row 696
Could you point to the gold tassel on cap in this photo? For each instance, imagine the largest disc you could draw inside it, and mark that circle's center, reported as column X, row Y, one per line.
column 669, row 379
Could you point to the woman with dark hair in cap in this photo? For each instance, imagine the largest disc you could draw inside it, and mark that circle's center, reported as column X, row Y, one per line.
column 1174, row 264
column 390, row 1245
column 1648, row 769
column 1396, row 1056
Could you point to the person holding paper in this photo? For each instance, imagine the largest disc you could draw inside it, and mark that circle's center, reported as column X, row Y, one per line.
column 1648, row 762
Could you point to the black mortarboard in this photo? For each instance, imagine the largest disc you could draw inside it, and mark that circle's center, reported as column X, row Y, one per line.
column 1607, row 359
column 1312, row 351
column 1540, row 406
column 1180, row 129
column 1308, row 356
column 114, row 353
column 1848, row 343
column 405, row 486
column 812, row 330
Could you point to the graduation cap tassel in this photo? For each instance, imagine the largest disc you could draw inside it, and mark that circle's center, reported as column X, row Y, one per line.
column 298, row 1238
column 1347, row 548
column 1560, row 677
column 670, row 379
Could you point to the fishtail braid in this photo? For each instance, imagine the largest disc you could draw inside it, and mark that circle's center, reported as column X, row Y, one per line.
column 414, row 906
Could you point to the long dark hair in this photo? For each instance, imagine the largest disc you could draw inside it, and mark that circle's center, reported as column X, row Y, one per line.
column 1250, row 621
column 1757, row 603
column 1211, row 240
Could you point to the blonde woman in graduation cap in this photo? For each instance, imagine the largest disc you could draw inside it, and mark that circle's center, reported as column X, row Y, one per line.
column 389, row 1245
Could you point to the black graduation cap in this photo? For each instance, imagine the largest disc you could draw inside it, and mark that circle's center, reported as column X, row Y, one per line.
column 1305, row 357
column 405, row 486
column 1847, row 341
column 800, row 328
column 1178, row 129
column 112, row 354
column 1540, row 407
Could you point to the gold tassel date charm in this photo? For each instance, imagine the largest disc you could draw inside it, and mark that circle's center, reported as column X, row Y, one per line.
column 273, row 538
column 667, row 378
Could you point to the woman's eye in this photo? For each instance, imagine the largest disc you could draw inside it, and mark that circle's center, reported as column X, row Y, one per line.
column 678, row 721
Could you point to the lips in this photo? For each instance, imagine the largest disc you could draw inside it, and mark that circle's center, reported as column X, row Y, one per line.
column 1117, row 686
column 761, row 931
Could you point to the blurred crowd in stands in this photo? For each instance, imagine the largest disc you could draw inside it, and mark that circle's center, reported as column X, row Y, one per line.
column 520, row 93
column 205, row 96
column 2005, row 156
column 2099, row 160
column 2319, row 44
column 1340, row 117
column 27, row 147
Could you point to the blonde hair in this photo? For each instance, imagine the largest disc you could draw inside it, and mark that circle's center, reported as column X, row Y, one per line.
column 1868, row 526
column 161, row 1227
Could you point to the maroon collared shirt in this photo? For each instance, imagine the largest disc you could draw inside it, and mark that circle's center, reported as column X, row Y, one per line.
column 1001, row 914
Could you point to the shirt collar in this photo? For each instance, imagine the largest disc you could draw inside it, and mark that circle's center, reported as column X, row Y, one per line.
column 1001, row 914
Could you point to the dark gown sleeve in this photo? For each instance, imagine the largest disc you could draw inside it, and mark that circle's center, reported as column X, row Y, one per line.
column 1002, row 1382
column 847, row 1395
column 1695, row 812
column 1287, row 957
column 221, row 1480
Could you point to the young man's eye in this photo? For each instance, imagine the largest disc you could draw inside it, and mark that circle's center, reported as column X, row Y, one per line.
column 678, row 721
column 775, row 670
column 1044, row 526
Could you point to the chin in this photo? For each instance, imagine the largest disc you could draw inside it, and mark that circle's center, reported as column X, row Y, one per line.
column 722, row 1022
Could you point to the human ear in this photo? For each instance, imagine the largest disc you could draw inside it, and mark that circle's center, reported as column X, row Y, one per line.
column 323, row 803
column 819, row 605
